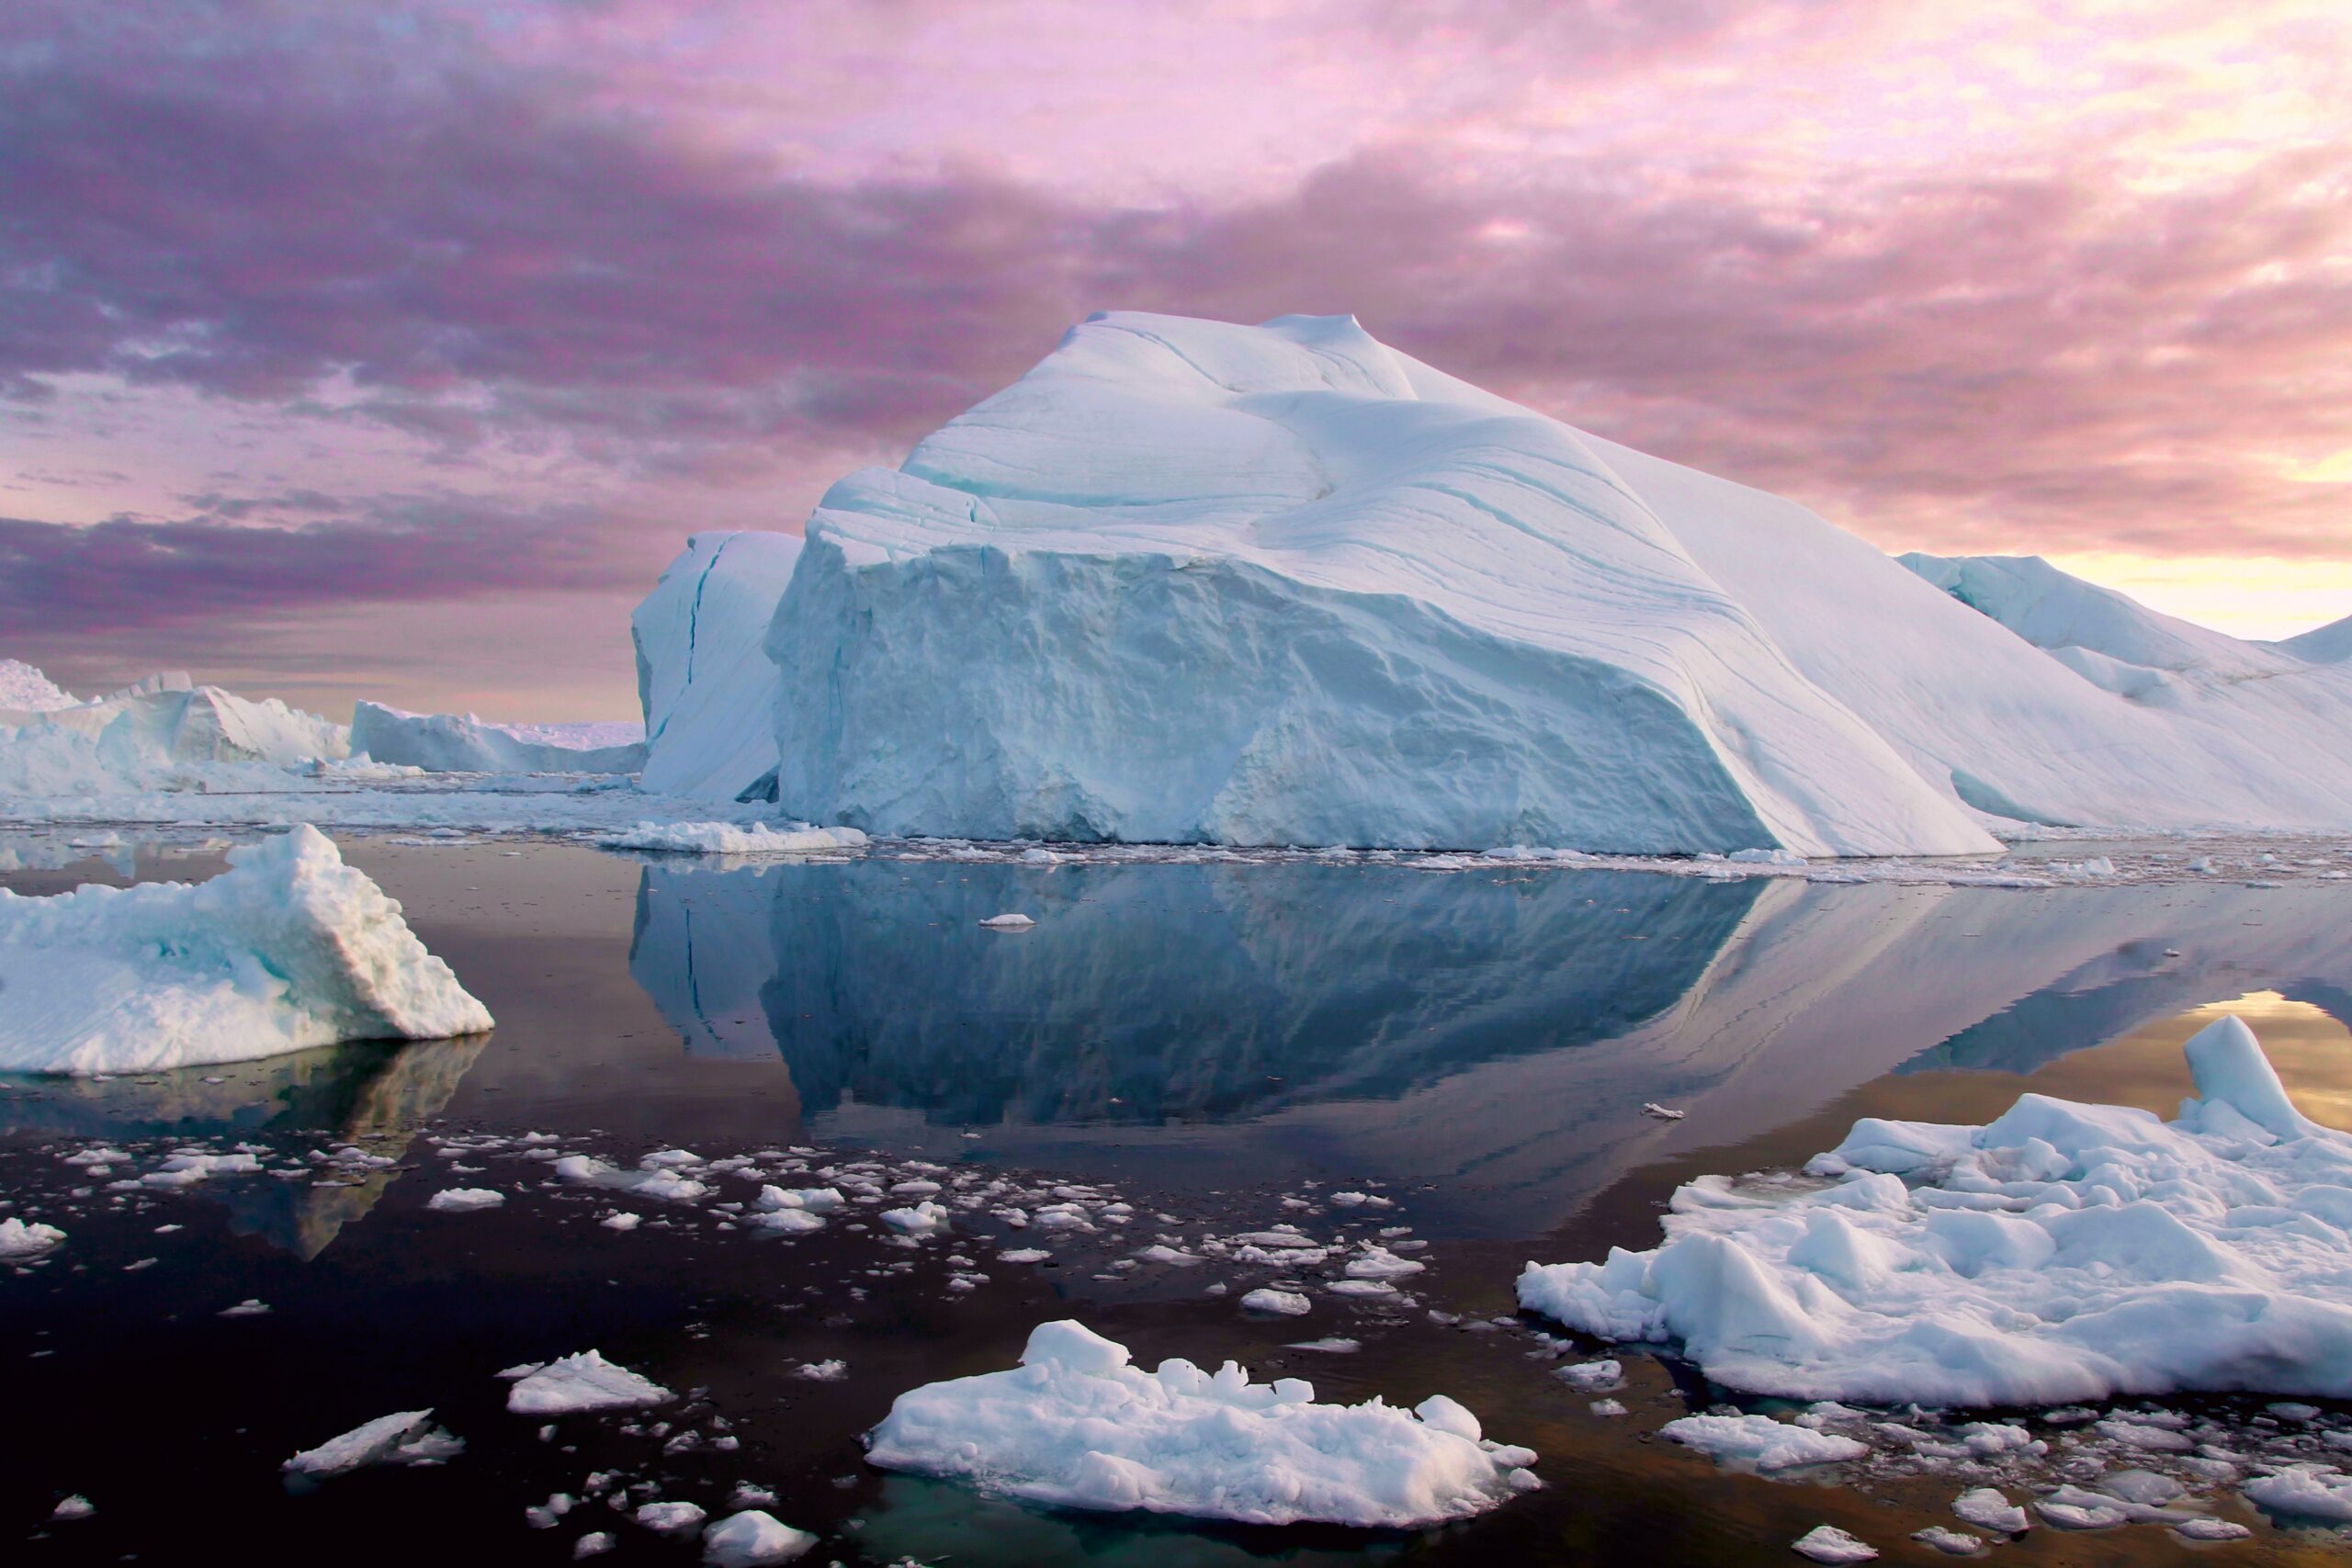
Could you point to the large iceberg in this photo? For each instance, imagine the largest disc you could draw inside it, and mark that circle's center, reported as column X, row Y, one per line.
column 2061, row 1252
column 155, row 735
column 1192, row 581
column 707, row 686
column 1076, row 1427
column 1188, row 582
column 464, row 743
column 288, row 948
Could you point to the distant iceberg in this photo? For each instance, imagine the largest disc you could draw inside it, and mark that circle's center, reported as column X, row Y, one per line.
column 288, row 948
column 1190, row 581
column 459, row 743
column 155, row 735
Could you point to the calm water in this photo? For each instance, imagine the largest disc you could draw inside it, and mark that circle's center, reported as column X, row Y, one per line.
column 1474, row 1047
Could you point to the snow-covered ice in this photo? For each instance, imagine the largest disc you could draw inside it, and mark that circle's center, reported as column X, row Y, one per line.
column 407, row 1437
column 465, row 1199
column 705, row 685
column 288, row 948
column 1077, row 1426
column 732, row 839
column 2062, row 1252
column 1986, row 1508
column 165, row 732
column 583, row 1382
column 444, row 742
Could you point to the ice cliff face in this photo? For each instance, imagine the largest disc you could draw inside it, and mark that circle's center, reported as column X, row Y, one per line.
column 706, row 683
column 1193, row 581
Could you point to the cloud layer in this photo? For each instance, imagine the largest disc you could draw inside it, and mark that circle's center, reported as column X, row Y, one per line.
column 587, row 275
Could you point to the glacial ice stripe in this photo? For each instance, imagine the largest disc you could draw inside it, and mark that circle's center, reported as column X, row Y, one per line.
column 2062, row 1252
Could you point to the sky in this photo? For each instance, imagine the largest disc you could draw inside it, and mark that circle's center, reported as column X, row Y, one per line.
column 391, row 349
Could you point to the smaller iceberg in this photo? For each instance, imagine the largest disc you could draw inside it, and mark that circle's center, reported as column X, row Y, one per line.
column 1076, row 1427
column 704, row 678
column 288, row 949
column 461, row 743
column 2062, row 1253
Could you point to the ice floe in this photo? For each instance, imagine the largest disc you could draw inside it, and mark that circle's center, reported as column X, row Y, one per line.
column 286, row 948
column 732, row 839
column 1077, row 1426
column 2062, row 1252
column 751, row 1538
column 408, row 1436
column 583, row 1381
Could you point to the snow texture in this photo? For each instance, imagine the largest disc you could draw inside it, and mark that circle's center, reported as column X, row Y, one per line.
column 704, row 680
column 1282, row 585
column 1077, row 1426
column 463, row 743
column 288, row 949
column 584, row 1382
column 732, row 839
column 2063, row 1252
column 24, row 689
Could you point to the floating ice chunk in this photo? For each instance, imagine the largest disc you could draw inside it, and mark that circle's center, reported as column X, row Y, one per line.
column 251, row 1306
column 2200, row 1527
column 1759, row 1442
column 669, row 1518
column 788, row 1221
column 406, row 1438
column 751, row 1538
column 926, row 1218
column 1329, row 1344
column 288, row 948
column 816, row 1199
column 2061, row 1252
column 1077, row 1426
column 621, row 1220
column 1984, row 1508
column 1827, row 1543
column 1379, row 1263
column 1593, row 1377
column 19, row 1239
column 584, row 1382
column 595, row 1544
column 1024, row 1255
column 731, row 838
column 822, row 1371
column 2306, row 1491
column 465, row 1199
column 1951, row 1542
column 1008, row 923
column 1360, row 1288
column 74, row 1507
column 1651, row 1108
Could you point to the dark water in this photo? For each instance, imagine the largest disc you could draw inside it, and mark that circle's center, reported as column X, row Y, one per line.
column 1208, row 1040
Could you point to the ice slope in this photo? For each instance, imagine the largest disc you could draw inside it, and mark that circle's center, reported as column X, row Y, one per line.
column 2330, row 644
column 463, row 743
column 288, row 948
column 2015, row 730
column 704, row 681
column 1192, row 581
column 154, row 736
column 2061, row 1252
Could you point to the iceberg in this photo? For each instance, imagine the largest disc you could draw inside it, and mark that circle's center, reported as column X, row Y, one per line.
column 24, row 689
column 160, row 734
column 1188, row 582
column 704, row 680
column 290, row 948
column 2062, row 1252
column 1076, row 1427
column 2330, row 644
column 462, row 743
